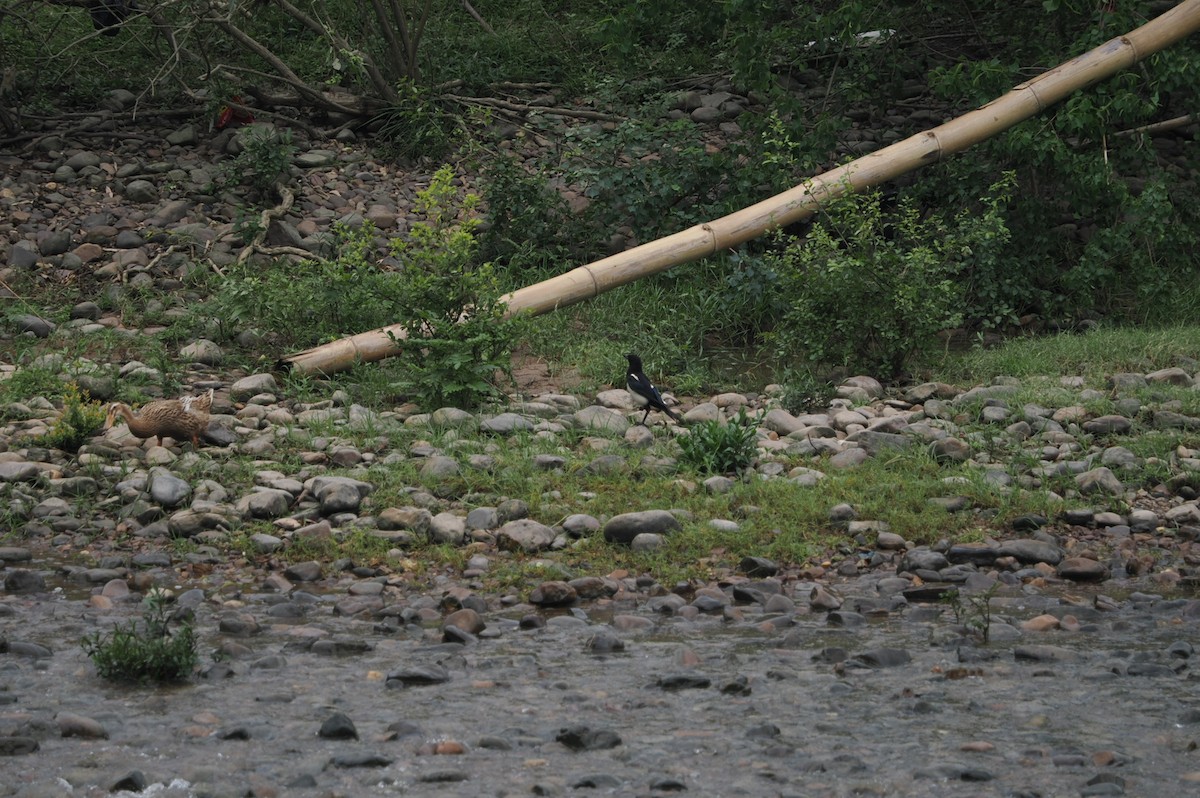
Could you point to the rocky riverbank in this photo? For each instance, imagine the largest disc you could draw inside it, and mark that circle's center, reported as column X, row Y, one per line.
column 335, row 678
column 846, row 674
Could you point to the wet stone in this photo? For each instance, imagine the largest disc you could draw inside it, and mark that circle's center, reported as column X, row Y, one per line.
column 758, row 567
column 360, row 760
column 418, row 675
column 338, row 726
column 17, row 745
column 309, row 571
column 882, row 658
column 604, row 642
column 1031, row 551
column 553, row 594
column 624, row 528
column 73, row 725
column 684, row 681
column 133, row 781
column 20, row 580
column 585, row 738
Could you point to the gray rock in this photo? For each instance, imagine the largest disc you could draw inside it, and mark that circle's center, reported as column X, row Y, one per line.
column 447, row 528
column 525, row 534
column 1082, row 569
column 922, row 558
column 265, row 503
column 56, row 243
column 246, row 387
column 18, row 471
column 506, row 424
column 315, row 158
column 72, row 725
column 29, row 323
column 23, row 255
column 339, row 497
column 129, row 239
column 625, row 527
column 416, row 519
column 647, row 541
column 416, row 675
column 483, row 518
column 168, row 490
column 580, row 525
column 881, row 658
column 849, row 458
column 141, row 191
column 1108, row 425
column 82, row 159
column 781, row 422
column 1171, row 376
column 182, row 136
column 203, row 351
column 20, row 580
column 1099, row 480
column 15, row 554
column 878, row 442
column 549, row 462
column 602, row 418
column 452, row 417
column 265, row 544
column 1031, row 551
column 440, row 466
column 605, row 464
column 85, row 310
column 304, row 571
column 338, row 726
column 553, row 594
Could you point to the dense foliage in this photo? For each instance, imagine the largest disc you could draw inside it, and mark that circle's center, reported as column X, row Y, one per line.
column 1098, row 222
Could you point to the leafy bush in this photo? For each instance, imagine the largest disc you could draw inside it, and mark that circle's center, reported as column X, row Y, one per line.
column 805, row 392
column 79, row 419
column 417, row 126
column 529, row 224
column 456, row 336
column 264, row 160
column 314, row 301
column 870, row 285
column 715, row 448
column 149, row 653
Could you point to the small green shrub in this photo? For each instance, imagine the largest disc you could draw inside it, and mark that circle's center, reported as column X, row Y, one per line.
column 264, row 160
column 972, row 610
column 80, row 418
column 456, row 336
column 805, row 392
column 321, row 300
column 715, row 448
column 871, row 285
column 417, row 126
column 149, row 653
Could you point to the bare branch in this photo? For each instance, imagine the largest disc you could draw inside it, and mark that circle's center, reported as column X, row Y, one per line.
column 283, row 69
column 377, row 79
column 527, row 109
column 475, row 15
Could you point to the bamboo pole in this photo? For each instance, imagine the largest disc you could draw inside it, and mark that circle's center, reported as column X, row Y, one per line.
column 800, row 202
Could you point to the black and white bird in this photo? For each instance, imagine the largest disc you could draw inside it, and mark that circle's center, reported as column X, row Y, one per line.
column 643, row 391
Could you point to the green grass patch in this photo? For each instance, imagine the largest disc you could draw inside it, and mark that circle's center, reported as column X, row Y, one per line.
column 1094, row 355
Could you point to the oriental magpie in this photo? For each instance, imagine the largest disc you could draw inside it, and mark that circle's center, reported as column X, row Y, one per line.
column 643, row 391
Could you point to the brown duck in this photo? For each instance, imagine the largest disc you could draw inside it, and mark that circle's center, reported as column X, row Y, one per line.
column 182, row 419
